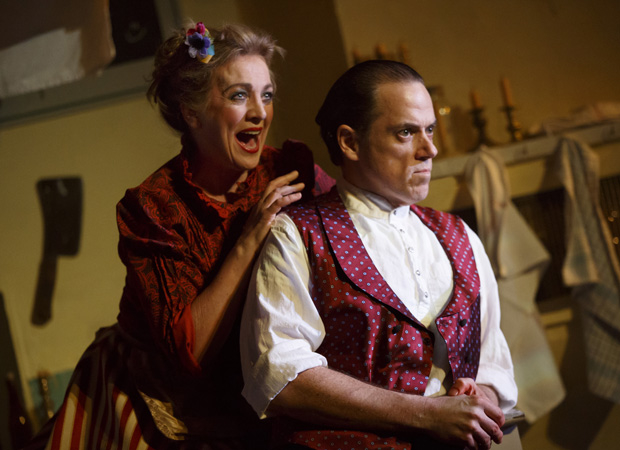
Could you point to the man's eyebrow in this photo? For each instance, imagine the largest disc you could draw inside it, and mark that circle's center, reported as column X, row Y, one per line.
column 404, row 125
column 416, row 126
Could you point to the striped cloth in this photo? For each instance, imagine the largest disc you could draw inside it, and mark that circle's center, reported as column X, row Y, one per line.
column 103, row 409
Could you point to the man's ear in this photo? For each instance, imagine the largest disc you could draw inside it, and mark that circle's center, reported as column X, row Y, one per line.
column 190, row 117
column 348, row 141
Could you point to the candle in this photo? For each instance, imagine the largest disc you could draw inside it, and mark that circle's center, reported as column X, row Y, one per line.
column 506, row 92
column 475, row 99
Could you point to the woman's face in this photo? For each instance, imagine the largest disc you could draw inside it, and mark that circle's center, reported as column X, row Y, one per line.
column 231, row 129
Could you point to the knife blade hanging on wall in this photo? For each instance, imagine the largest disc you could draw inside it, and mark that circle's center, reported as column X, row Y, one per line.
column 61, row 204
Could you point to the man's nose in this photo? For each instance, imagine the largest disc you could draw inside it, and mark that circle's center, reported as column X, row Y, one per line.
column 425, row 147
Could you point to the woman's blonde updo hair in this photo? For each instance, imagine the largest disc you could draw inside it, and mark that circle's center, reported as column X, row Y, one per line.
column 178, row 79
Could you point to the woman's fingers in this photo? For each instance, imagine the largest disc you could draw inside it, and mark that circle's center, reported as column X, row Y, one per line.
column 283, row 180
column 283, row 196
column 278, row 194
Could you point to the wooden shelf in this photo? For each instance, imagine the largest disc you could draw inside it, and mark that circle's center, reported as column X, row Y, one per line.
column 531, row 149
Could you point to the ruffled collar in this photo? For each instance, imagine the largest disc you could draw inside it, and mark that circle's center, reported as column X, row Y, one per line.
column 234, row 200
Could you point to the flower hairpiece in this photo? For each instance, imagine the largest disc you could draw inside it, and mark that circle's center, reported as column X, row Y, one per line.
column 199, row 41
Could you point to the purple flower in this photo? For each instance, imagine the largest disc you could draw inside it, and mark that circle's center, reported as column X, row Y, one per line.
column 199, row 42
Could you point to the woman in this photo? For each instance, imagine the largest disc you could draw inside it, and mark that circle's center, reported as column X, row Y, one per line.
column 167, row 374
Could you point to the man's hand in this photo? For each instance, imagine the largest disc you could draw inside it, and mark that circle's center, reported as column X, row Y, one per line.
column 323, row 396
column 467, row 386
column 464, row 386
column 469, row 415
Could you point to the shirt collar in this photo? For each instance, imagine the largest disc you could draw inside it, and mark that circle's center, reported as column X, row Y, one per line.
column 363, row 202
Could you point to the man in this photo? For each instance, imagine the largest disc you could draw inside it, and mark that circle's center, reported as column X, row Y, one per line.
column 368, row 318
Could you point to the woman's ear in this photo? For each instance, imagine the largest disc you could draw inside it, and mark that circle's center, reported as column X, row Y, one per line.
column 348, row 141
column 190, row 117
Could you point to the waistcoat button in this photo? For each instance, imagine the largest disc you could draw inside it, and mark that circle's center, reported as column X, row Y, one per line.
column 463, row 322
column 396, row 329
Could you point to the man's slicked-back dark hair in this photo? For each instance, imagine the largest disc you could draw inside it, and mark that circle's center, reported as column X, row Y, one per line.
column 351, row 99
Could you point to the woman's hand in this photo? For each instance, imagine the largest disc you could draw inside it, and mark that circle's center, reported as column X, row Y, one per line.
column 278, row 194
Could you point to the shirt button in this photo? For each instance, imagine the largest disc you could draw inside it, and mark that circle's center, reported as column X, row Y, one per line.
column 401, row 230
column 417, row 272
column 410, row 249
column 426, row 294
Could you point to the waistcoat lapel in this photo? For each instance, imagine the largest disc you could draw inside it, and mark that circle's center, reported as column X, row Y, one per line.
column 352, row 256
column 453, row 238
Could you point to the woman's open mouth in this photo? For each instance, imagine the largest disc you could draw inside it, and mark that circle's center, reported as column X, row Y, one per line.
column 249, row 139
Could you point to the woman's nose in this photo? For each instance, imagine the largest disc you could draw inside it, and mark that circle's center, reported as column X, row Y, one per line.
column 256, row 110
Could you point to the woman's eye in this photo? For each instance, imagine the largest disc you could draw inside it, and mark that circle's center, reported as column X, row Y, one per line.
column 241, row 95
column 267, row 97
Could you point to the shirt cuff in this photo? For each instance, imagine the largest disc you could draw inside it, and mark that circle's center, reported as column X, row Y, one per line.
column 275, row 369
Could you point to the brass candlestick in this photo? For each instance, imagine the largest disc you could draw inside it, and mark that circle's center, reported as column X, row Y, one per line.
column 514, row 127
column 480, row 124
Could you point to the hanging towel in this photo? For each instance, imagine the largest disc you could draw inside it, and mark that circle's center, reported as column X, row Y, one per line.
column 591, row 266
column 519, row 261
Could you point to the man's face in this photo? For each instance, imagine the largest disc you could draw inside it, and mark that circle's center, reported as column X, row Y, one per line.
column 395, row 156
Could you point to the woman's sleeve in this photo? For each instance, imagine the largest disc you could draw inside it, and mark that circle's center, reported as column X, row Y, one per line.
column 163, row 276
column 296, row 155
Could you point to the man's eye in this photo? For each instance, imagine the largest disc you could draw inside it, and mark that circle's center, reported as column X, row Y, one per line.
column 431, row 129
column 405, row 133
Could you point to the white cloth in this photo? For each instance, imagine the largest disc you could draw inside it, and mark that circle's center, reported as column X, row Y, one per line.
column 64, row 42
column 281, row 328
column 591, row 266
column 519, row 261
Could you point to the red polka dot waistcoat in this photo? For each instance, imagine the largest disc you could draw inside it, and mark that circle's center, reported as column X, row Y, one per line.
column 370, row 333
